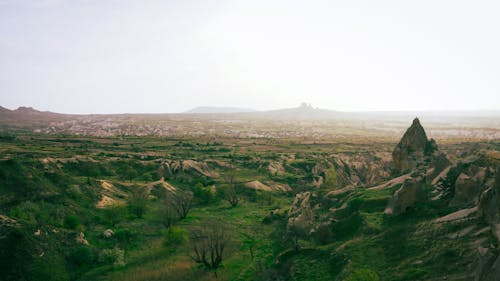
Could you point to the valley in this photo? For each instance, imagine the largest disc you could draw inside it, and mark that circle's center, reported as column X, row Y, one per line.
column 114, row 208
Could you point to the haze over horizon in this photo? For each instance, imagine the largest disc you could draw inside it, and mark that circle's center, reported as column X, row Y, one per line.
column 171, row 56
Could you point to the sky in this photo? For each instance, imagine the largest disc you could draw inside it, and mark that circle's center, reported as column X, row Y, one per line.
column 117, row 56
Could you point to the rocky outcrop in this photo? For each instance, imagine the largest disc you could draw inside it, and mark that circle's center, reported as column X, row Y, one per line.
column 351, row 170
column 411, row 148
column 80, row 239
column 276, row 168
column 300, row 215
column 471, row 179
column 489, row 202
column 467, row 189
column 257, row 185
column 171, row 168
column 405, row 197
column 108, row 233
column 488, row 206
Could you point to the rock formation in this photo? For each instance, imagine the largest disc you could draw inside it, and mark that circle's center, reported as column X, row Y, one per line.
column 413, row 148
column 300, row 215
column 405, row 197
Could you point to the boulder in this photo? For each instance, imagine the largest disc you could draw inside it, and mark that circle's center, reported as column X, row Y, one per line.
column 405, row 197
column 108, row 233
column 80, row 239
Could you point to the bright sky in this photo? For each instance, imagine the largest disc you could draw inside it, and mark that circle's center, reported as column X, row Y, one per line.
column 113, row 56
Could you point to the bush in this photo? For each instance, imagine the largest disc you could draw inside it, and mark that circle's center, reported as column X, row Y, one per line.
column 82, row 256
column 115, row 257
column 126, row 237
column 71, row 222
column 26, row 211
column 174, row 236
column 114, row 214
column 202, row 195
column 138, row 202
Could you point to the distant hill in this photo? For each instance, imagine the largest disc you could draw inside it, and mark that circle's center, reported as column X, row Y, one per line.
column 28, row 116
column 211, row 109
column 303, row 112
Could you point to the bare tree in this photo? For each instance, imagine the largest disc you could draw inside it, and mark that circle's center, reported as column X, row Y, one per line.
column 208, row 245
column 170, row 215
column 182, row 201
column 229, row 193
column 138, row 201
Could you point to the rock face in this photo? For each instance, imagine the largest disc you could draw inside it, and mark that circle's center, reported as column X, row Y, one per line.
column 410, row 193
column 412, row 147
column 352, row 170
column 467, row 189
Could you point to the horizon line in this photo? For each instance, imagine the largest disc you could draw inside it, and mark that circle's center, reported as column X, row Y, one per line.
column 248, row 110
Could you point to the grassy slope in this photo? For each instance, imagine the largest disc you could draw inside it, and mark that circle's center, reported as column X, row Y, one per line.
column 365, row 242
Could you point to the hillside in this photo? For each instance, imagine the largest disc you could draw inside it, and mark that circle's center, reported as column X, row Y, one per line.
column 133, row 208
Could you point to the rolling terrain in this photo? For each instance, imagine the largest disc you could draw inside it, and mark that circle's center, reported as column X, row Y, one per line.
column 109, row 197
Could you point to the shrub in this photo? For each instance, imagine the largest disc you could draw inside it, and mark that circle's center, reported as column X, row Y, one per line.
column 138, row 202
column 82, row 256
column 26, row 211
column 115, row 257
column 174, row 236
column 125, row 236
column 71, row 222
column 114, row 214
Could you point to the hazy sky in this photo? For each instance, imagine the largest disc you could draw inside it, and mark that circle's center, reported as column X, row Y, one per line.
column 104, row 56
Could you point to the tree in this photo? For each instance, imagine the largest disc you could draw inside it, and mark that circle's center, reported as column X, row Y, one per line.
column 250, row 242
column 230, row 193
column 170, row 215
column 130, row 173
column 138, row 202
column 114, row 214
column 208, row 245
column 182, row 202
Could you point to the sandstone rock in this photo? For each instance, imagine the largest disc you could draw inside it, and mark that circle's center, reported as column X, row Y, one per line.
column 108, row 233
column 276, row 168
column 467, row 189
column 405, row 197
column 300, row 215
column 80, row 239
column 488, row 206
column 170, row 168
column 438, row 163
column 412, row 147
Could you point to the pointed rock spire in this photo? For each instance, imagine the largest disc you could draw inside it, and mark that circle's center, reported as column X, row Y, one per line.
column 411, row 148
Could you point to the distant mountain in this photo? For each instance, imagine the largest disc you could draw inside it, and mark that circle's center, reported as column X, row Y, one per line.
column 210, row 109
